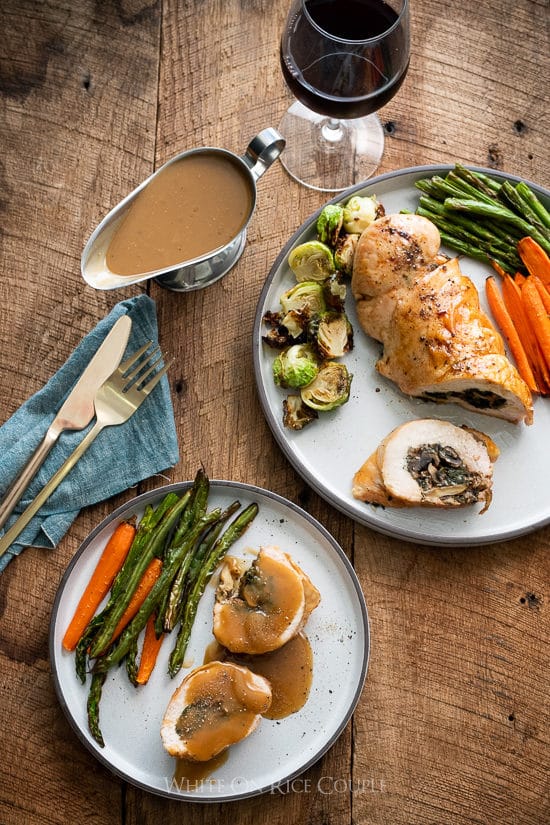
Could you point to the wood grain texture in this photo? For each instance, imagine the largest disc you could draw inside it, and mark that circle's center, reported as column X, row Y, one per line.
column 453, row 723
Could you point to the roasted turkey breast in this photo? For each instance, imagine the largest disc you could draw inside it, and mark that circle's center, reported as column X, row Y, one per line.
column 429, row 463
column 215, row 706
column 438, row 343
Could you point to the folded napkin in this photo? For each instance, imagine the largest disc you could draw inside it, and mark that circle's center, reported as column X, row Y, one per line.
column 119, row 458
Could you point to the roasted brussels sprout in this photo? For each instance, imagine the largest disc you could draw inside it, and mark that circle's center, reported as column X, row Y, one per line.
column 329, row 389
column 296, row 415
column 335, row 292
column 295, row 322
column 331, row 334
column 329, row 223
column 359, row 212
column 278, row 336
column 295, row 366
column 311, row 261
column 344, row 252
column 306, row 297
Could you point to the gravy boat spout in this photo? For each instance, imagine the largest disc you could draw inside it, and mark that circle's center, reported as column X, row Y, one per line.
column 197, row 270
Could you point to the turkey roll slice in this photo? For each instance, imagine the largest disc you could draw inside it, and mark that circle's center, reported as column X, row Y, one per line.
column 428, row 463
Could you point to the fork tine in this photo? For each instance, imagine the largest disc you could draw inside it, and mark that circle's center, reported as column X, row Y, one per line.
column 154, row 381
column 134, row 357
column 141, row 380
column 142, row 365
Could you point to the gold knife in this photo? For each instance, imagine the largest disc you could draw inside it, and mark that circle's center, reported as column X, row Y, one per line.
column 77, row 411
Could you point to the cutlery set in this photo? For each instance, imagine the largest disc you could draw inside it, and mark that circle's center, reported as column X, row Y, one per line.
column 108, row 389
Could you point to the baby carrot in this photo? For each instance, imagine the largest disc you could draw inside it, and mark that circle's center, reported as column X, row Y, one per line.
column 109, row 564
column 510, row 333
column 543, row 292
column 141, row 592
column 535, row 259
column 538, row 316
column 150, row 651
column 513, row 301
column 498, row 269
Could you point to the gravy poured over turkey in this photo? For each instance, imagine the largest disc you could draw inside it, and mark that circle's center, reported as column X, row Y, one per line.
column 215, row 706
column 262, row 606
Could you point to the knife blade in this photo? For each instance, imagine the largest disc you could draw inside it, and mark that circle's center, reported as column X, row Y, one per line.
column 77, row 411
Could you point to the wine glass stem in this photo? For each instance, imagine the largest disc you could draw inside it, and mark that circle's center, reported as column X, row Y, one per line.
column 332, row 130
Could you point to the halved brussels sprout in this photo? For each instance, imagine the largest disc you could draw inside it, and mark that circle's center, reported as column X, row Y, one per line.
column 344, row 252
column 335, row 292
column 329, row 389
column 311, row 261
column 329, row 223
column 306, row 297
column 296, row 415
column 331, row 334
column 359, row 212
column 296, row 324
column 277, row 335
column 295, row 366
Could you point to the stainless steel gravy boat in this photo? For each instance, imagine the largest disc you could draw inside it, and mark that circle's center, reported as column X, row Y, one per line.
column 199, row 272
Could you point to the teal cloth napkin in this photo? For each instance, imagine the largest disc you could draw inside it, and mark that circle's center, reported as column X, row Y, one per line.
column 118, row 459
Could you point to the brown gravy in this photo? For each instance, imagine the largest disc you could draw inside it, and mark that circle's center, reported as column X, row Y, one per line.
column 194, row 206
column 288, row 669
column 189, row 775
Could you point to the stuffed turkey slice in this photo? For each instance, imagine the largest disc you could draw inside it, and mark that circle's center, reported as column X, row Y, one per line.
column 215, row 706
column 428, row 463
column 262, row 605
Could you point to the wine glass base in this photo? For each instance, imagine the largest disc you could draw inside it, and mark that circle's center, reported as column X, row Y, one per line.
column 330, row 155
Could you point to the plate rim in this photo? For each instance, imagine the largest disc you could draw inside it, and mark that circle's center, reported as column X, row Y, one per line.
column 341, row 504
column 136, row 502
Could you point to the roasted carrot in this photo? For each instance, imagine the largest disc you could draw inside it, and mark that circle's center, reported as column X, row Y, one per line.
column 535, row 259
column 537, row 316
column 149, row 652
column 519, row 279
column 110, row 562
column 498, row 269
column 511, row 294
column 510, row 333
column 543, row 292
column 143, row 589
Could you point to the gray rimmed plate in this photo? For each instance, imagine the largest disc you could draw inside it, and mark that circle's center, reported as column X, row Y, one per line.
column 277, row 751
column 328, row 452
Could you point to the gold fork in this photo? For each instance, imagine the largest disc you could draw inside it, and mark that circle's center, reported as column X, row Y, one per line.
column 115, row 402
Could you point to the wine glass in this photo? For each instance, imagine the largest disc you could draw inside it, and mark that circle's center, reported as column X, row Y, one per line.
column 342, row 60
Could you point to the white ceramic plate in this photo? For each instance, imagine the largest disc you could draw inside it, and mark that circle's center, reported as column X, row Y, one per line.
column 277, row 751
column 329, row 451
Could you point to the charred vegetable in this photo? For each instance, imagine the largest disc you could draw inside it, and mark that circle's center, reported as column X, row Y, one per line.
column 359, row 212
column 344, row 252
column 277, row 336
column 296, row 415
column 329, row 389
column 329, row 223
column 311, row 261
column 331, row 334
column 306, row 297
column 334, row 290
column 312, row 329
column 295, row 366
column 301, row 303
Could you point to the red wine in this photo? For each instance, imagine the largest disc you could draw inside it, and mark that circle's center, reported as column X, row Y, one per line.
column 352, row 19
column 347, row 79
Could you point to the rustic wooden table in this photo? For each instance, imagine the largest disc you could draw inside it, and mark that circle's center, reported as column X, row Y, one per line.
column 453, row 723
